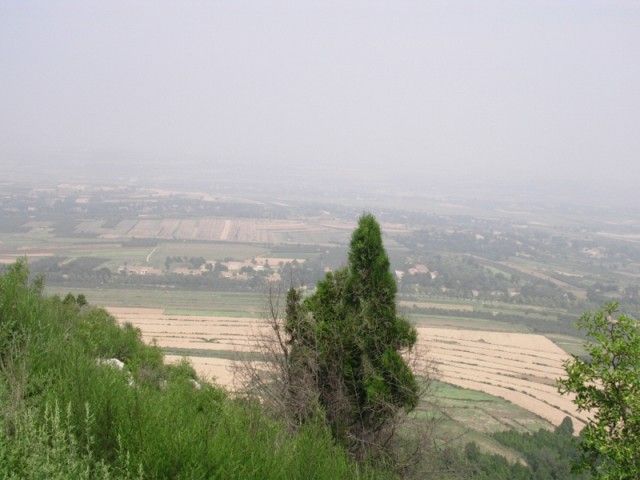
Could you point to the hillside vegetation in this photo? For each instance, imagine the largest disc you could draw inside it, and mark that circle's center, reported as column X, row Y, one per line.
column 83, row 398
column 68, row 410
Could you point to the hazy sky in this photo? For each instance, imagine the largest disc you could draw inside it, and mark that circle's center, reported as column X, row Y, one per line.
column 490, row 90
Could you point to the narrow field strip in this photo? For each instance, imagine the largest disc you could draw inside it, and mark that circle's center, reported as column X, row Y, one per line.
column 511, row 363
column 487, row 362
column 502, row 348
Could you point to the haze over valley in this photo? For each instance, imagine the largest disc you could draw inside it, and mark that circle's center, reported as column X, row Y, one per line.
column 210, row 174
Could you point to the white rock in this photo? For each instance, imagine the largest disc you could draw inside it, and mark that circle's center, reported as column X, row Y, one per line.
column 111, row 362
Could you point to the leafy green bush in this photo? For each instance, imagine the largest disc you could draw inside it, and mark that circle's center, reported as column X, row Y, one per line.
column 47, row 448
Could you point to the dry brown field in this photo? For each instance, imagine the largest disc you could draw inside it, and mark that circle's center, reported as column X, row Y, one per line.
column 243, row 230
column 518, row 367
column 215, row 229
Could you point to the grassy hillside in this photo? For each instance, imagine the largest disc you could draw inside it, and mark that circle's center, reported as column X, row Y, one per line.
column 66, row 413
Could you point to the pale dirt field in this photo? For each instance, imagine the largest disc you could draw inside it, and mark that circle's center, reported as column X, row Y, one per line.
column 218, row 370
column 225, row 230
column 228, row 229
column 521, row 368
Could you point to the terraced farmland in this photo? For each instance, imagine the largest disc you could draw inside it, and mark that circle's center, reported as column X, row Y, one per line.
column 216, row 229
column 518, row 367
column 223, row 229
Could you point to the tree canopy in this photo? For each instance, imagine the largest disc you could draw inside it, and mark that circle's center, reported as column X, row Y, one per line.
column 351, row 326
column 607, row 385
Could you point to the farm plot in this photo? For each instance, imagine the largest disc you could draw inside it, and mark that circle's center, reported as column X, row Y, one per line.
column 91, row 227
column 210, row 251
column 178, row 302
column 456, row 307
column 462, row 415
column 210, row 343
column 520, row 368
column 218, row 229
column 539, row 272
column 481, row 412
column 244, row 230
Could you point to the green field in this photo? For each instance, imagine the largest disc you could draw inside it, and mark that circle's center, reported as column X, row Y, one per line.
column 486, row 306
column 210, row 251
column 175, row 301
column 572, row 345
column 116, row 253
column 467, row 415
column 446, row 321
column 483, row 412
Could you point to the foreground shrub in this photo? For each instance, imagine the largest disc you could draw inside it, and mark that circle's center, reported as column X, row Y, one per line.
column 67, row 414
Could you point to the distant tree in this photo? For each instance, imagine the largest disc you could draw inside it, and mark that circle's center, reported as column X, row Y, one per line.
column 69, row 299
column 606, row 384
column 220, row 267
column 565, row 427
column 302, row 360
column 197, row 262
column 81, row 300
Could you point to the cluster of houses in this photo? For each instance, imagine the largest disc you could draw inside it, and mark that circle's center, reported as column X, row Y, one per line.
column 417, row 269
column 231, row 269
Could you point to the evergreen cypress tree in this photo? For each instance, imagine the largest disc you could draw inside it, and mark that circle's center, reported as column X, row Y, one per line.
column 362, row 379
